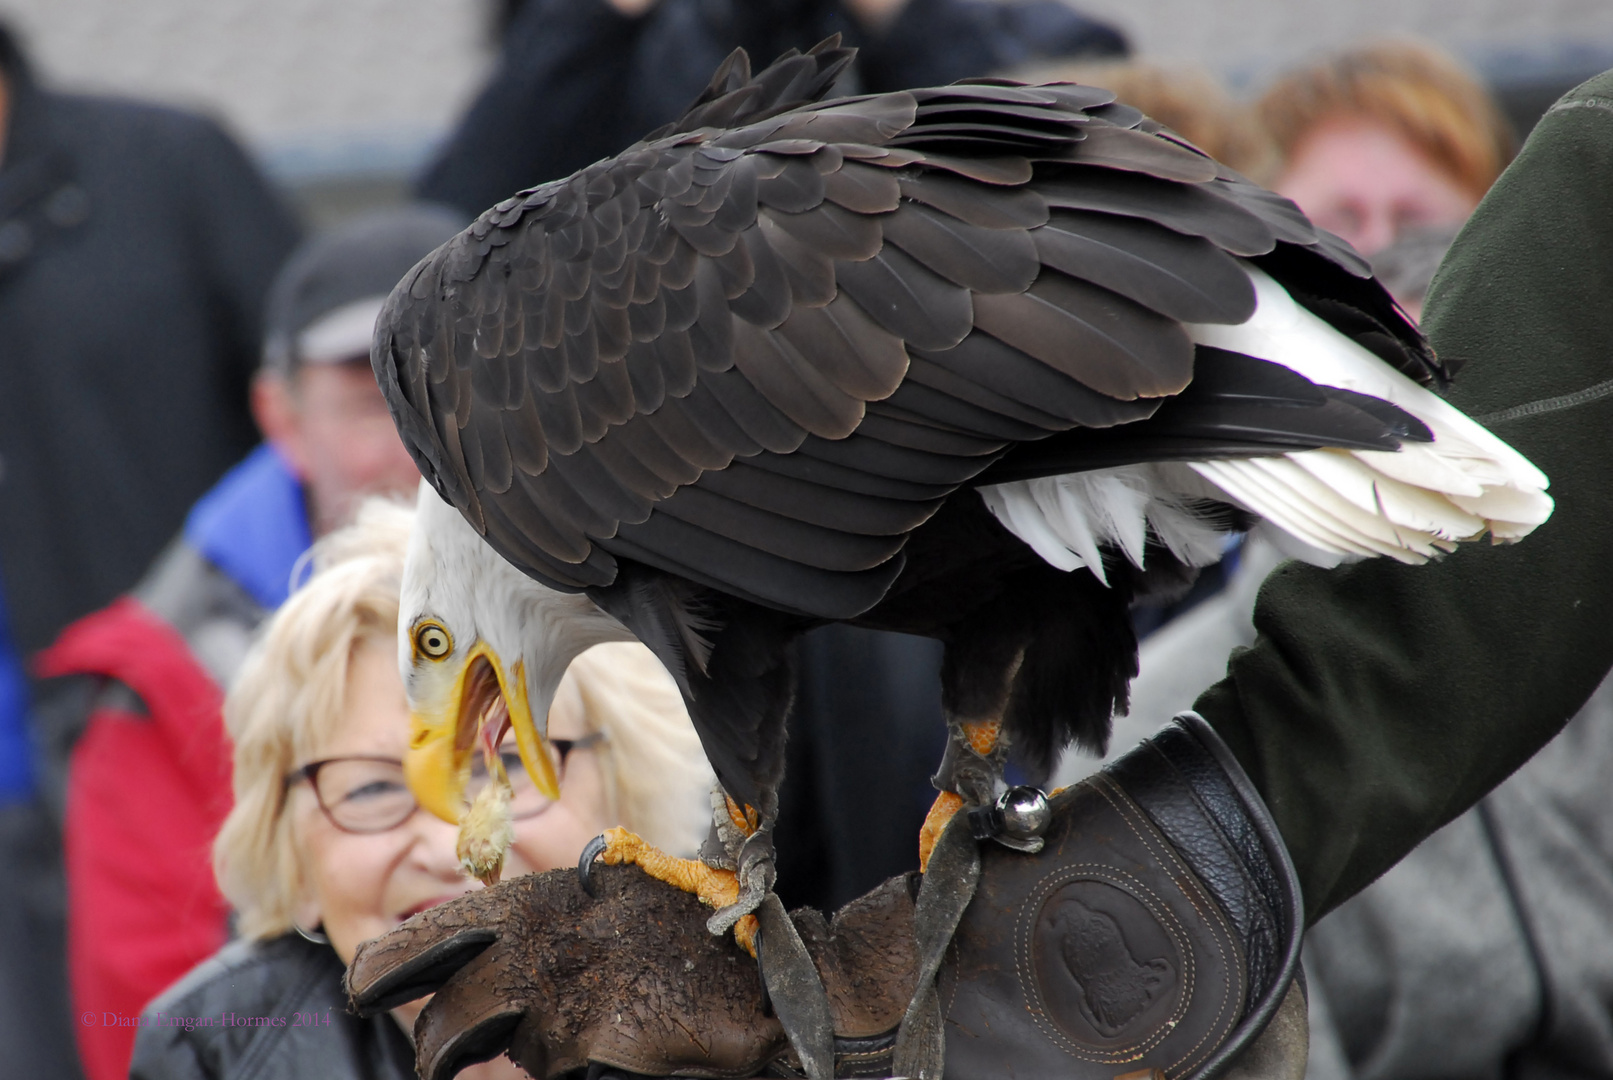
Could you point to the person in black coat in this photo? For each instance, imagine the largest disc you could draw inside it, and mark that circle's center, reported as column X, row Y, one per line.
column 580, row 80
column 136, row 246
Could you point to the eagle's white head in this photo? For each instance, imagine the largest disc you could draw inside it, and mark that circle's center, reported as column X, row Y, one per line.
column 482, row 648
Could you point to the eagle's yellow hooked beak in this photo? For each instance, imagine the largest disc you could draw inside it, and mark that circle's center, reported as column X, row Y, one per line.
column 480, row 704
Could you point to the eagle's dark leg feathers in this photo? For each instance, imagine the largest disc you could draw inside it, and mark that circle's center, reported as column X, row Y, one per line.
column 732, row 662
column 1037, row 665
column 1040, row 665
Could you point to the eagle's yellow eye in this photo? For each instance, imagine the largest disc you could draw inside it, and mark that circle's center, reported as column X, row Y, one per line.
column 432, row 641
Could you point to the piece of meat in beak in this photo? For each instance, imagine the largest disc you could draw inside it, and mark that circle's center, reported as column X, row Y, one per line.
column 454, row 766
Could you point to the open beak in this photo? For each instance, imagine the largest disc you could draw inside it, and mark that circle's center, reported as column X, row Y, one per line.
column 483, row 704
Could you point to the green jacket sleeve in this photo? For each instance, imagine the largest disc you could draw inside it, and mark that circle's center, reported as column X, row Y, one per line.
column 1380, row 701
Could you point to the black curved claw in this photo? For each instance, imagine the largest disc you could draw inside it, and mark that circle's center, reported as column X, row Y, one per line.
column 585, row 865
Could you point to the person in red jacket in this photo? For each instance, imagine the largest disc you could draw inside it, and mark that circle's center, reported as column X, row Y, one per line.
column 148, row 779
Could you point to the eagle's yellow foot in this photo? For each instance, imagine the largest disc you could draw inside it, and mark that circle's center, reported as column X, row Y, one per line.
column 714, row 888
column 941, row 810
column 745, row 819
column 982, row 737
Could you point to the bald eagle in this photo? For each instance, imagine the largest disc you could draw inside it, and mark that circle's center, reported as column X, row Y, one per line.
column 983, row 362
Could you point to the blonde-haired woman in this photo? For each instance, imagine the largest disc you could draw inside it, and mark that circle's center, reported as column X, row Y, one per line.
column 325, row 847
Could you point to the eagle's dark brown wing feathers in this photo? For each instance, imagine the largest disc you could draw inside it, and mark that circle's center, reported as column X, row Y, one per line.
column 819, row 469
column 1190, row 209
column 808, row 543
column 952, row 401
column 916, row 430
column 693, row 356
column 1181, row 277
column 1111, row 345
column 975, row 204
column 823, row 503
column 907, row 298
column 1020, row 386
column 737, row 569
column 1135, row 151
column 1235, row 405
column 733, row 97
column 976, row 258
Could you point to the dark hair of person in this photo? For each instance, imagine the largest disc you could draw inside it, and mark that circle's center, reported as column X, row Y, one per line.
column 12, row 60
column 501, row 13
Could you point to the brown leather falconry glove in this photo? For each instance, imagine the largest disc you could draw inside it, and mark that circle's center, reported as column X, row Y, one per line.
column 1157, row 929
column 631, row 979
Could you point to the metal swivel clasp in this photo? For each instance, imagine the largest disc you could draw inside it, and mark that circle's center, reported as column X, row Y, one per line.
column 1017, row 819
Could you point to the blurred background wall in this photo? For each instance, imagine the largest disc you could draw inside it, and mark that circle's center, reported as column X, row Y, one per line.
column 342, row 99
column 1530, row 51
column 1248, row 38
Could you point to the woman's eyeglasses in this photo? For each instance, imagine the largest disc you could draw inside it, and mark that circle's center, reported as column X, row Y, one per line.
column 362, row 794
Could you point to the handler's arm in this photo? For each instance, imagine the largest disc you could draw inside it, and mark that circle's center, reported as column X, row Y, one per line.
column 1382, row 700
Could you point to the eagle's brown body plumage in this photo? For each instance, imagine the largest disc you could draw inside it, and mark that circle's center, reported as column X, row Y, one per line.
column 740, row 379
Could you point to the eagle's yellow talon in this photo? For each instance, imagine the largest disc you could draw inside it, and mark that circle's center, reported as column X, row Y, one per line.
column 982, row 736
column 714, row 888
column 745, row 931
column 746, row 819
column 941, row 810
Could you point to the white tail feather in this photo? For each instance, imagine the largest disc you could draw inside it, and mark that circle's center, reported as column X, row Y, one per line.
column 1016, row 508
column 1065, row 518
column 1330, row 505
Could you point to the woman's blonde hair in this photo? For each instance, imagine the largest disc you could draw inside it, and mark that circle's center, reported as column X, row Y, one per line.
column 292, row 692
column 657, row 780
column 1422, row 93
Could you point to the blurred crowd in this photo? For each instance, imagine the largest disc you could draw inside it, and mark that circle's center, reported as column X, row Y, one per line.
column 186, row 409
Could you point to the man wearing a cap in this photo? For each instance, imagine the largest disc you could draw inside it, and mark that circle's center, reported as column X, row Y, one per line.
column 148, row 780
